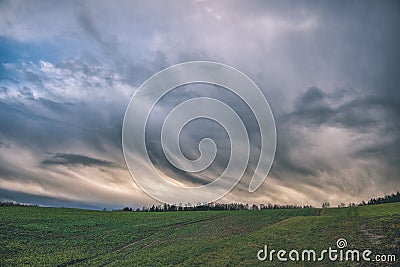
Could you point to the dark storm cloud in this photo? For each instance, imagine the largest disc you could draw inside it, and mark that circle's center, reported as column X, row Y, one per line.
column 373, row 118
column 74, row 159
column 311, row 107
column 196, row 130
column 352, row 110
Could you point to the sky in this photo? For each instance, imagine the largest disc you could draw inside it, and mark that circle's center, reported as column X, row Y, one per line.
column 330, row 72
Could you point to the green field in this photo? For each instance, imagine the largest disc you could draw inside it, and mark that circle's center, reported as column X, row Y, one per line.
column 35, row 236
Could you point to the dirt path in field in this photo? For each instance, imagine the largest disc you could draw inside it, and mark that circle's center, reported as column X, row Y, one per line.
column 139, row 241
column 171, row 226
column 374, row 238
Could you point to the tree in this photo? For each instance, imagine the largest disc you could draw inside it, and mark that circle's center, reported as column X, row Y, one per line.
column 325, row 205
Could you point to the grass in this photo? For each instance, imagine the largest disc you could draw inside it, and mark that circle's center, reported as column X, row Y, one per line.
column 35, row 236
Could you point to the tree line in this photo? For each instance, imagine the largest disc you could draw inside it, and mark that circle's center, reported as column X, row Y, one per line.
column 395, row 197
column 213, row 206
column 240, row 206
column 10, row 204
column 386, row 199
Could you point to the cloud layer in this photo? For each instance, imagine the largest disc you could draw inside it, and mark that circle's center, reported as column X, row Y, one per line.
column 328, row 70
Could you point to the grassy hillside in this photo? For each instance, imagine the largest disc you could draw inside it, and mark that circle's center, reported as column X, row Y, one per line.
column 61, row 237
